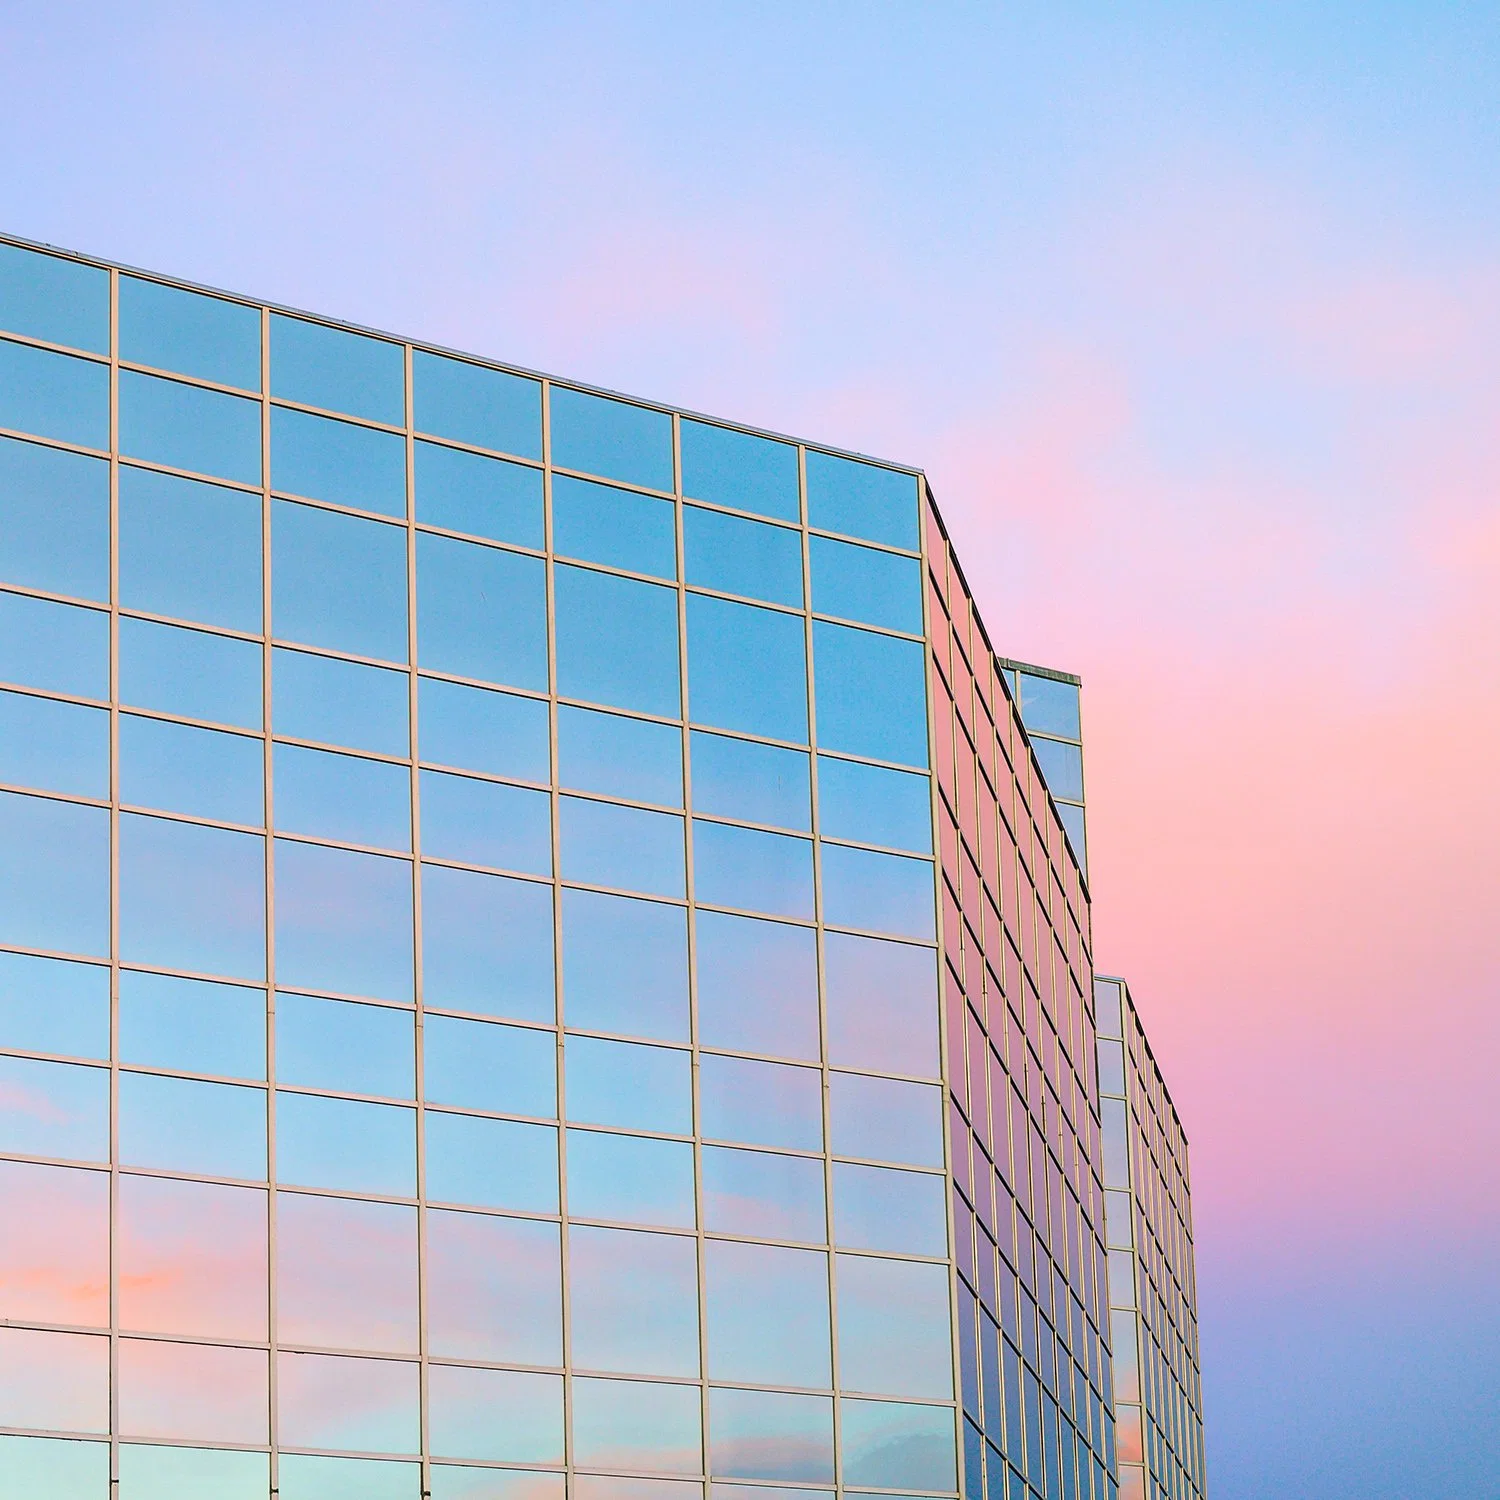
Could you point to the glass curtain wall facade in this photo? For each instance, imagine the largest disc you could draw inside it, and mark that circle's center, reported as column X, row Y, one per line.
column 1049, row 703
column 1152, row 1287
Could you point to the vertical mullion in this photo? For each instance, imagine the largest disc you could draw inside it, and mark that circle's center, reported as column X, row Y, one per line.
column 112, row 1250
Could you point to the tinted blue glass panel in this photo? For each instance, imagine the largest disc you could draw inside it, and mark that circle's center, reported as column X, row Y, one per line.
column 192, row 897
column 859, row 583
column 885, row 1120
column 190, row 672
column 616, row 527
column 901, row 1213
column 486, row 497
column 758, row 783
column 617, row 641
column 325, row 459
column 54, row 875
column 626, row 847
column 899, row 1446
column 477, row 1065
column 894, row 1329
column 634, row 1424
column 740, row 470
column 339, row 1143
column 746, row 668
column 342, row 797
column 486, row 823
column 340, row 371
column 760, row 1103
column 201, row 772
column 620, row 757
column 472, row 404
column 148, row 1473
column 491, row 1163
column 872, row 697
column 1072, row 821
column 630, row 1179
column 1062, row 766
column 481, row 612
column 755, row 1192
column 873, row 805
column 736, row 556
column 54, row 1109
column 227, row 1137
column 628, row 1086
column 766, row 872
column 487, row 944
column 55, row 747
column 338, row 581
column 305, row 1476
column 501, row 1414
column 861, row 500
column 54, row 520
column 634, row 1301
column 453, row 1482
column 59, row 648
column 611, row 438
column 54, row 395
column 49, row 1005
column 187, row 427
column 343, row 921
column 479, row 730
column 46, row 297
column 192, row 1025
column 337, row 1044
column 882, row 1004
column 1049, row 705
column 757, row 986
column 339, row 702
column 771, row 1435
column 743, row 1283
column 190, row 549
column 881, row 892
column 625, row 966
column 209, row 338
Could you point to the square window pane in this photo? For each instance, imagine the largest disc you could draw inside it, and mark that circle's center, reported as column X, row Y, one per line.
column 54, row 875
column 872, row 694
column 885, row 892
column 486, row 497
column 617, row 641
column 1062, row 766
column 901, row 1213
column 203, row 773
column 342, row 797
column 192, row 1025
column 747, row 668
column 863, row 500
column 751, row 782
column 343, row 1144
column 760, row 1103
column 744, row 867
column 620, row 757
column 54, row 1258
column 486, row 823
column 60, row 1468
column 54, row 1380
column 58, row 648
column 49, row 1005
column 190, row 673
column 479, row 730
column 630, row 1179
column 628, row 1086
column 771, row 1435
column 634, row 1301
column 491, row 1163
column 228, row 1135
column 506, row 1415
column 884, row 1119
column 472, row 404
column 359, row 1405
column 757, row 986
column 170, row 328
column 187, row 427
column 619, row 528
column 340, row 702
column 511, row 1070
column 54, row 395
column 625, row 966
column 54, row 1109
column 740, row 469
column 898, row 1446
column 605, row 844
column 859, row 583
column 340, row 462
column 632, row 1424
column 615, row 439
column 874, row 805
column 893, row 1327
column 53, row 746
column 1049, row 705
column 48, row 297
column 795, row 1347
column 54, row 520
column 339, row 1044
column 882, row 1004
column 338, row 370
column 734, row 556
column 756, row 1193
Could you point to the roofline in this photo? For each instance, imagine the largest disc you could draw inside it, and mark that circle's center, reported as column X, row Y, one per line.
column 1124, row 984
column 1033, row 670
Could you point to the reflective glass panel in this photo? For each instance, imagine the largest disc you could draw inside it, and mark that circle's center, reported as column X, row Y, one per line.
column 198, row 1391
column 893, row 1327
column 740, row 469
column 148, row 1472
column 340, row 702
column 487, row 944
column 901, row 1213
column 56, row 647
column 620, row 757
column 900, row 1446
column 54, row 875
column 630, row 1179
column 743, row 1282
column 760, row 1103
column 744, row 867
column 620, row 1487
column 54, row 520
column 757, row 986
column 479, row 730
column 735, row 556
column 343, row 921
column 188, row 427
column 882, row 1004
column 886, row 1120
column 360, row 1405
column 53, row 746
column 486, row 823
column 486, row 497
column 192, row 1025
column 54, row 1380
column 619, row 528
column 481, row 612
column 634, row 1301
column 190, row 673
column 612, row 438
column 770, row 1435
column 862, row 500
column 54, row 395
column 511, row 1070
column 341, row 462
column 1072, row 821
column 170, row 328
column 471, row 404
column 341, row 371
column 453, row 1482
column 771, row 1197
column 491, row 1163
column 306, row 1476
column 49, row 1005
column 47, row 297
column 496, row 1414
column 54, row 1257
column 886, row 892
column 1062, row 766
column 192, row 897
column 339, row 1044
column 342, row 797
column 627, row 847
column 871, row 694
column 874, row 805
column 1049, row 705
column 617, row 641
column 60, row 1468
column 341, row 1143
column 628, row 1086
column 632, row 1424
column 228, row 1135
column 338, row 581
column 749, row 781
column 494, row 1288
column 204, row 773
column 746, row 668
column 859, row 583
column 625, row 966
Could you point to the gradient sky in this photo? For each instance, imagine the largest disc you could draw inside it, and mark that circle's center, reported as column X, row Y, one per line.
column 1192, row 315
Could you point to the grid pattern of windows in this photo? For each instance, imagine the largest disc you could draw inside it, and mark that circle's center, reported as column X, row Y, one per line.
column 1027, row 1199
column 1152, row 1290
column 1048, row 701
column 468, row 934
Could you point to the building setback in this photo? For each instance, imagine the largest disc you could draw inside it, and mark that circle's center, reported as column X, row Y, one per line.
column 538, row 960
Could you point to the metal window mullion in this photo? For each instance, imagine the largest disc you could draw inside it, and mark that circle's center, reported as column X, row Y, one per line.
column 113, row 1248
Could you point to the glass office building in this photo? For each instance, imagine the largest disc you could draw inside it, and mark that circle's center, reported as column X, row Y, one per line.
column 537, row 957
